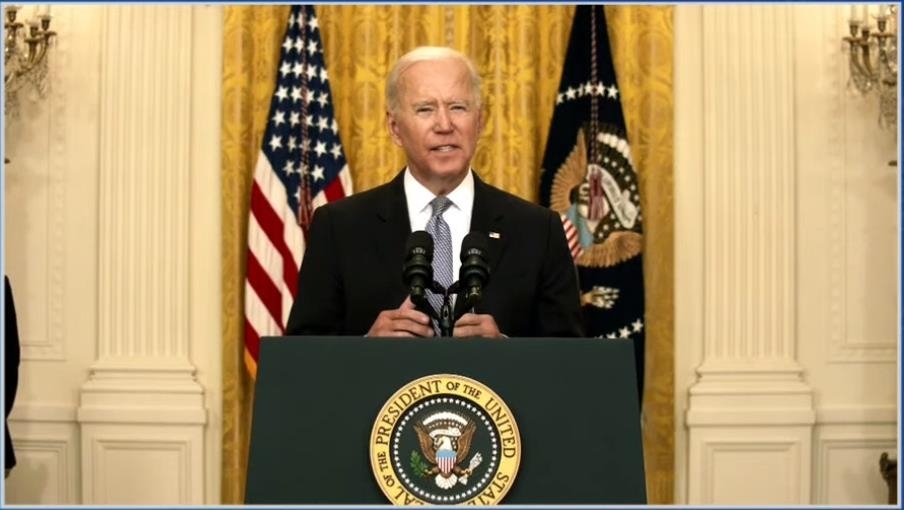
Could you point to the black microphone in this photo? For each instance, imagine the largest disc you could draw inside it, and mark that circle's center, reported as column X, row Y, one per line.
column 417, row 271
column 475, row 271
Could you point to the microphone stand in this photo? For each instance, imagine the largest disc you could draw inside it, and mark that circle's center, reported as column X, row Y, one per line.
column 446, row 322
column 445, row 318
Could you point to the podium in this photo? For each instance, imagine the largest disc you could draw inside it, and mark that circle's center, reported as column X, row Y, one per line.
column 317, row 400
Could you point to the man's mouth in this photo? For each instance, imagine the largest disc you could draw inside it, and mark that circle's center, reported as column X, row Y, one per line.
column 444, row 148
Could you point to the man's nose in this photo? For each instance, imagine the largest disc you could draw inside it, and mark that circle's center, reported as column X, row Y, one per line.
column 443, row 120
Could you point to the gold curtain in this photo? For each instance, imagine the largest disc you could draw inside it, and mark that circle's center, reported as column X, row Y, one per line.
column 519, row 51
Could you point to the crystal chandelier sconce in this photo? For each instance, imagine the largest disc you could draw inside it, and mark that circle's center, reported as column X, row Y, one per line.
column 25, row 51
column 874, row 57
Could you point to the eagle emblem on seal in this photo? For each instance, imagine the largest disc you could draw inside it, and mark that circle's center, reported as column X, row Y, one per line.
column 595, row 191
column 445, row 442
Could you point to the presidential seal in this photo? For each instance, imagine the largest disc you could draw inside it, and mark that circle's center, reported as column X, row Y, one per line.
column 445, row 440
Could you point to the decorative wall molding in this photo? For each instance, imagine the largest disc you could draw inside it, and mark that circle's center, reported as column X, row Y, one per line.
column 143, row 396
column 857, row 415
column 864, row 443
column 114, row 451
column 847, row 169
column 57, row 454
column 722, row 454
column 767, row 395
column 43, row 412
column 46, row 449
column 35, row 143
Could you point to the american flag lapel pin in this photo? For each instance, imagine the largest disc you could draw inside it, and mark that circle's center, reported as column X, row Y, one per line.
column 494, row 235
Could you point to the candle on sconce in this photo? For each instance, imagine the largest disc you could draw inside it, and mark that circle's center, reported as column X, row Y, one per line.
column 865, row 15
column 853, row 13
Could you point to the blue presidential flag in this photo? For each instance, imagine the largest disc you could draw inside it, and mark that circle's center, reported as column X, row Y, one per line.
column 588, row 177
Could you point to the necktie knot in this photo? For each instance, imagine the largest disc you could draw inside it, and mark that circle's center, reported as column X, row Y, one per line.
column 440, row 204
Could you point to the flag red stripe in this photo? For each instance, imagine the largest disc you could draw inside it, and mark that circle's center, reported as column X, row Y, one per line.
column 273, row 226
column 265, row 288
column 334, row 191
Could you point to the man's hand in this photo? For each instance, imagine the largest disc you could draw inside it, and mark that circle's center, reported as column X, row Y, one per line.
column 404, row 321
column 473, row 324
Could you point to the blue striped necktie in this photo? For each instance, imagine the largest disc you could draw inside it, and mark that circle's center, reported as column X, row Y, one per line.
column 442, row 251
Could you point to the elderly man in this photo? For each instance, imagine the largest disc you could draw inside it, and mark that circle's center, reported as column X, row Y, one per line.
column 350, row 279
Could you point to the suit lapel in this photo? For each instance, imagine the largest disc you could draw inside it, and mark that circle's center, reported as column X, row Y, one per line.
column 486, row 217
column 393, row 225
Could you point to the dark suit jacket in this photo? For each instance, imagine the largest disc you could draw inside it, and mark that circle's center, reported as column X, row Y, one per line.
column 11, row 367
column 352, row 268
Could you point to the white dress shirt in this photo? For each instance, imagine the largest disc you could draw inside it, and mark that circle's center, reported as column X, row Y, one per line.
column 458, row 215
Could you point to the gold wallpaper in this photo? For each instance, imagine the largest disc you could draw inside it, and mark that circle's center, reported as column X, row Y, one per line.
column 519, row 51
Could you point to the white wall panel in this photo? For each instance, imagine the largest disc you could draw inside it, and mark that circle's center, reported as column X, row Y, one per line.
column 141, row 465
column 843, row 234
column 45, row 438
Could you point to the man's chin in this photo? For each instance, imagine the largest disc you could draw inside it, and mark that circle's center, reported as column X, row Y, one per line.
column 448, row 171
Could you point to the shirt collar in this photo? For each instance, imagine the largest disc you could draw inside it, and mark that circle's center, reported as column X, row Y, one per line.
column 419, row 197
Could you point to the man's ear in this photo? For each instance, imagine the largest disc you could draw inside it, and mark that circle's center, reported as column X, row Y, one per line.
column 393, row 126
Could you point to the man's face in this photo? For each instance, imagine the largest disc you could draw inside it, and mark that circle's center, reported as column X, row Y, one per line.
column 437, row 122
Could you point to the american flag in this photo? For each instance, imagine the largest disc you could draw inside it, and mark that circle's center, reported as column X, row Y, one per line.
column 301, row 166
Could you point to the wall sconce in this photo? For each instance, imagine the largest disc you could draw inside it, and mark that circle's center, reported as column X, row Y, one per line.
column 25, row 51
column 874, row 58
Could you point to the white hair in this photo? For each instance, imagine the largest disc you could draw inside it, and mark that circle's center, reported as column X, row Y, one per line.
column 425, row 54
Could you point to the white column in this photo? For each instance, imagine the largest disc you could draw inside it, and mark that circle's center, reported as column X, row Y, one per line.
column 142, row 410
column 750, row 411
